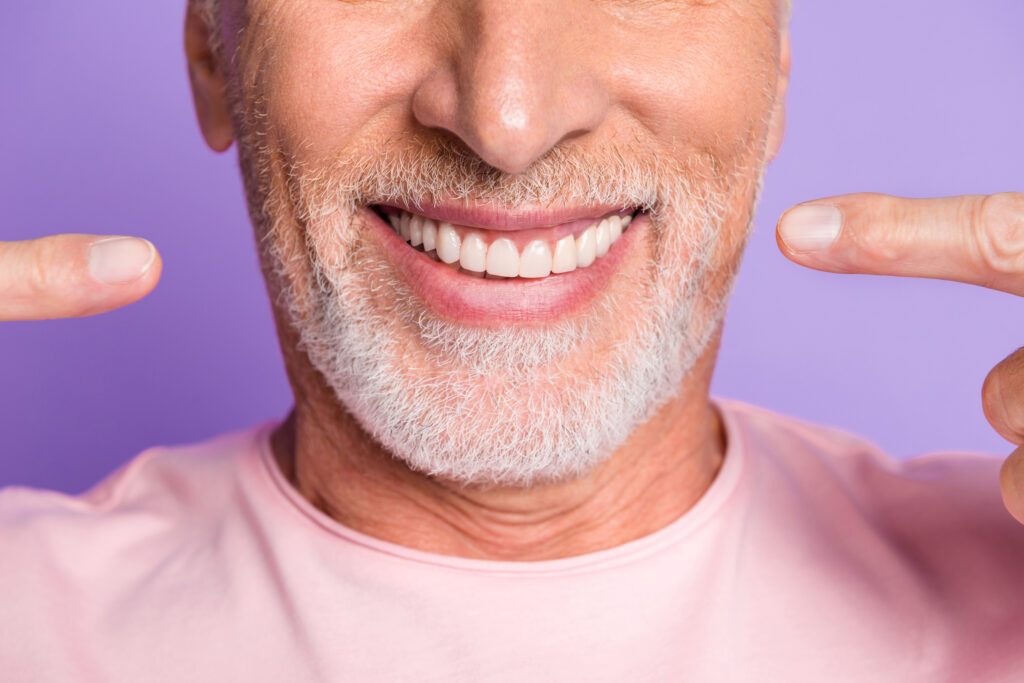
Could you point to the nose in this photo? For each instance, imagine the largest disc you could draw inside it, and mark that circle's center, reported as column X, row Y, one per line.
column 518, row 78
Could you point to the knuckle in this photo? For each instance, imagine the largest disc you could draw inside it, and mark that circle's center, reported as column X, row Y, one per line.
column 46, row 270
column 997, row 224
column 1008, row 487
column 883, row 247
column 1003, row 397
column 992, row 401
column 1011, row 476
column 884, row 244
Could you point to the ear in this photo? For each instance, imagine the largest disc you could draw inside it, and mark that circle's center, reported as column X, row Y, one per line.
column 777, row 125
column 209, row 87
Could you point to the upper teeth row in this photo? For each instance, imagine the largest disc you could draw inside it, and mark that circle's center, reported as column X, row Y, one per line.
column 501, row 257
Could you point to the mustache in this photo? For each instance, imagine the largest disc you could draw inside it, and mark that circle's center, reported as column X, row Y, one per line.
column 417, row 170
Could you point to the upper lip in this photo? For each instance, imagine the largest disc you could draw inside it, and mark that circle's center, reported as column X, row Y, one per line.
column 497, row 218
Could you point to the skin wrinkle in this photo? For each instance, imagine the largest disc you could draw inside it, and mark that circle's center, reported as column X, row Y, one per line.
column 538, row 441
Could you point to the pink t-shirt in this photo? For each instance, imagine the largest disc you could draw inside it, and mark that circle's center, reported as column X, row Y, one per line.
column 812, row 557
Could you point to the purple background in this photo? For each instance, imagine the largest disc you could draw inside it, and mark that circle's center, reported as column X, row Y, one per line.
column 915, row 97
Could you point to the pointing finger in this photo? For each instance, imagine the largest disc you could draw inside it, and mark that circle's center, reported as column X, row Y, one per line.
column 74, row 275
column 978, row 239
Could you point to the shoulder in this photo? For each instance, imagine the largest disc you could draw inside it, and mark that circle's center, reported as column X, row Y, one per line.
column 160, row 495
column 939, row 516
column 828, row 461
column 917, row 560
column 80, row 574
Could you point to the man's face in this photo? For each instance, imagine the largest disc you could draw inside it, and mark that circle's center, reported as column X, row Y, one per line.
column 513, row 137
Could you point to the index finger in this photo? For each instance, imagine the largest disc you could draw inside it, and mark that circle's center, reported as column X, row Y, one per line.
column 977, row 239
column 66, row 276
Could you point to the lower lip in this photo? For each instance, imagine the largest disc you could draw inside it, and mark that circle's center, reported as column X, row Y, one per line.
column 483, row 302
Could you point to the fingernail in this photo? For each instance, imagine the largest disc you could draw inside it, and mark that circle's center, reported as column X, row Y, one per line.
column 119, row 260
column 810, row 227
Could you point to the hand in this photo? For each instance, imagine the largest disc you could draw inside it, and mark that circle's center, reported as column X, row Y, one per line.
column 67, row 276
column 975, row 239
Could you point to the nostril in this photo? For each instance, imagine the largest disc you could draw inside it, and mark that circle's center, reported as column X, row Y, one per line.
column 509, row 104
column 508, row 138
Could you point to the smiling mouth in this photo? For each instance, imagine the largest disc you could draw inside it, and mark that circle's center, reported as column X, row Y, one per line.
column 530, row 253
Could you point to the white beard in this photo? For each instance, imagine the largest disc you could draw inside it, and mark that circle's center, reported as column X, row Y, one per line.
column 513, row 406
column 488, row 407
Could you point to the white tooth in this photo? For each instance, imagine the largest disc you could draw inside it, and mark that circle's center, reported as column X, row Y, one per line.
column 535, row 260
column 503, row 258
column 416, row 231
column 603, row 241
column 403, row 228
column 448, row 243
column 586, row 247
column 564, row 258
column 395, row 220
column 614, row 229
column 626, row 220
column 473, row 255
column 429, row 235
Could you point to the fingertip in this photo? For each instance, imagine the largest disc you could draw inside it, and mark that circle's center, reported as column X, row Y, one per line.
column 150, row 272
column 123, row 270
column 120, row 260
column 151, row 278
column 809, row 228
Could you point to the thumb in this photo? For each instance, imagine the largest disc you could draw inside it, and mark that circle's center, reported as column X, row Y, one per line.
column 67, row 276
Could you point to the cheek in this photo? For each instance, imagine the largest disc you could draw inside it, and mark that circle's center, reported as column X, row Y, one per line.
column 706, row 89
column 331, row 72
column 704, row 95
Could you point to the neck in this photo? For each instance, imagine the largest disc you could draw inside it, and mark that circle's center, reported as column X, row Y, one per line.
column 649, row 482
